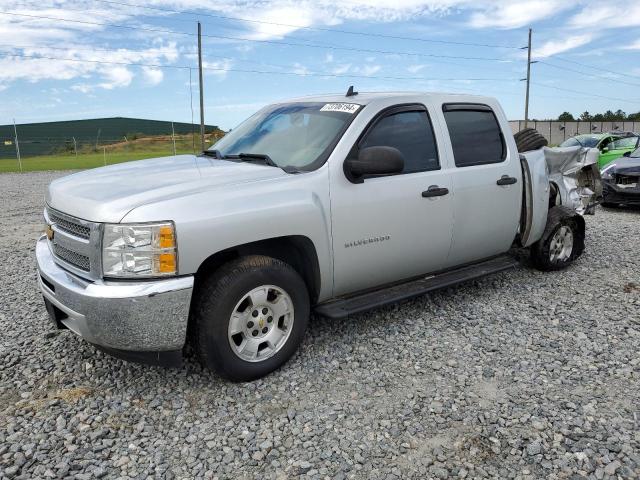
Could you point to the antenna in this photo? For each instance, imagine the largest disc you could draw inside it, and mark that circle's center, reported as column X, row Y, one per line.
column 351, row 92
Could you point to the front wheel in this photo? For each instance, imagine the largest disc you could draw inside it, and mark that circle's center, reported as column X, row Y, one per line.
column 562, row 241
column 249, row 317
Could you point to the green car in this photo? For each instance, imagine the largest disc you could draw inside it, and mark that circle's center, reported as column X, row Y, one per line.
column 611, row 146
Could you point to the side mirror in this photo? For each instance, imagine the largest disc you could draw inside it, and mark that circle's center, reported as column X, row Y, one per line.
column 374, row 161
column 626, row 154
column 604, row 149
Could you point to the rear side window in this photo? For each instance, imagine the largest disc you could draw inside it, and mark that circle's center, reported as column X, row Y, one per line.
column 475, row 135
column 412, row 134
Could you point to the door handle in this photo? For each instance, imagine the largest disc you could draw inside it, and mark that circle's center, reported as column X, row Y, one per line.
column 435, row 191
column 506, row 180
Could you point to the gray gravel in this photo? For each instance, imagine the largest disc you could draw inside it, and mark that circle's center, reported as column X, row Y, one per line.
column 520, row 375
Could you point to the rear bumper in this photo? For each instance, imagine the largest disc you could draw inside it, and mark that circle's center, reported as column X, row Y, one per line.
column 614, row 194
column 120, row 317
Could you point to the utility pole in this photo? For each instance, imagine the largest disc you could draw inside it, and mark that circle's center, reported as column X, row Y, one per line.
column 528, row 79
column 15, row 131
column 201, row 87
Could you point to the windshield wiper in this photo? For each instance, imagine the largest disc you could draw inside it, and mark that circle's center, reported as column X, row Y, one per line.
column 213, row 153
column 261, row 157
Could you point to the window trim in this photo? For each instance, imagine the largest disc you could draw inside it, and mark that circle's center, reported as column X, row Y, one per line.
column 385, row 112
column 474, row 107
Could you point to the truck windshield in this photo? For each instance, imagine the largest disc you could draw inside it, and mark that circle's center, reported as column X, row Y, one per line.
column 296, row 135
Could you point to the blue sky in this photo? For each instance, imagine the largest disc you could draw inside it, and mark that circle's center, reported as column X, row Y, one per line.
column 73, row 64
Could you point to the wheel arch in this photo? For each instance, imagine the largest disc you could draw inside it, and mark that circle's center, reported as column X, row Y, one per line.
column 295, row 250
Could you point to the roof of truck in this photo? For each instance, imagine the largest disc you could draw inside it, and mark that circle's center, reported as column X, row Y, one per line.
column 363, row 98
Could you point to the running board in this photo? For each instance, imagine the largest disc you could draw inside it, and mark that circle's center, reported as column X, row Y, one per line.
column 344, row 307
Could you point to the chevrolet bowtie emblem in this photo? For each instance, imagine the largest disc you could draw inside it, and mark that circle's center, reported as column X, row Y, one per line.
column 49, row 232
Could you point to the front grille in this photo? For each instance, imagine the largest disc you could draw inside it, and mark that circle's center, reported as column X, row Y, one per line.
column 69, row 226
column 75, row 243
column 76, row 259
column 626, row 179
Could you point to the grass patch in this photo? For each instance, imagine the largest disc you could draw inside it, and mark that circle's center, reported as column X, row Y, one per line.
column 87, row 157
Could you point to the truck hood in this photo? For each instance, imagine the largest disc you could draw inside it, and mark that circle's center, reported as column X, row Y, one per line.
column 107, row 194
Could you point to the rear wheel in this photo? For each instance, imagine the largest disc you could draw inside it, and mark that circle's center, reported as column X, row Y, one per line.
column 562, row 241
column 249, row 317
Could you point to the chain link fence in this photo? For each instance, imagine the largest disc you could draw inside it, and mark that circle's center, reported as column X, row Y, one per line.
column 93, row 143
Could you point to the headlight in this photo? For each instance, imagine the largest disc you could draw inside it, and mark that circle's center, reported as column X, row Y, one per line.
column 145, row 250
column 608, row 171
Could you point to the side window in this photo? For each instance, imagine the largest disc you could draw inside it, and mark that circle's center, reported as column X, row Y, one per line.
column 475, row 135
column 411, row 133
column 628, row 142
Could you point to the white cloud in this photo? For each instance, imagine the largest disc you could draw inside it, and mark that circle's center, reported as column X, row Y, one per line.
column 116, row 76
column 516, row 14
column 601, row 16
column 415, row 68
column 153, row 76
column 281, row 15
column 341, row 69
column 34, row 64
column 217, row 68
column 368, row 70
column 632, row 46
column 83, row 88
column 283, row 18
column 554, row 47
column 300, row 69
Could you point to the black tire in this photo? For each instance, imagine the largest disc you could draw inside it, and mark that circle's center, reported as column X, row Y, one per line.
column 529, row 139
column 541, row 251
column 216, row 298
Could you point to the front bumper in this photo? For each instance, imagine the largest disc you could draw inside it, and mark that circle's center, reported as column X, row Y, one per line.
column 123, row 316
column 611, row 193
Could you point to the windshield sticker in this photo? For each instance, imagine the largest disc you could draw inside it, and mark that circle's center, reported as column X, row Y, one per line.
column 350, row 108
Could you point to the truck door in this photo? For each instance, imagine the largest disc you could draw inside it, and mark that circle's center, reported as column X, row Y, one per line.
column 487, row 182
column 387, row 228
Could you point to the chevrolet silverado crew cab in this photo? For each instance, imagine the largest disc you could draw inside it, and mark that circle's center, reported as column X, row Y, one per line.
column 328, row 204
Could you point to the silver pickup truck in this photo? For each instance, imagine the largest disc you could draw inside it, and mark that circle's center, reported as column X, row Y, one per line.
column 328, row 204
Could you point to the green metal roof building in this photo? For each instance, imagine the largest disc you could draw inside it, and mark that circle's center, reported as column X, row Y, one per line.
column 50, row 137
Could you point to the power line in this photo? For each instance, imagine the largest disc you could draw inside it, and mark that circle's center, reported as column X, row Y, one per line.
column 589, row 94
column 218, row 69
column 304, row 27
column 603, row 77
column 272, row 42
column 159, row 51
column 592, row 66
column 122, row 50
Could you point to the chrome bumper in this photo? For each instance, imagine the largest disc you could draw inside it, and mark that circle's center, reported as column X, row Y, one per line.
column 134, row 316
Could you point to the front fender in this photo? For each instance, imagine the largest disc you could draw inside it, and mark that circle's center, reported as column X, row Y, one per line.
column 209, row 222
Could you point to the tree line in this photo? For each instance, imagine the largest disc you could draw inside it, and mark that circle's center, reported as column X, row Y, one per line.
column 608, row 116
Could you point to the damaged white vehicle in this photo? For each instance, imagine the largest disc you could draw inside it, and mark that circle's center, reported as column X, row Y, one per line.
column 328, row 204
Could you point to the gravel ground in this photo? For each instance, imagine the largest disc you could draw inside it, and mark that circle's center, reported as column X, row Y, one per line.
column 519, row 375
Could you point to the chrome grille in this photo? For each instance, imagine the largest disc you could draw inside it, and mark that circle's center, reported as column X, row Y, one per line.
column 74, row 258
column 75, row 243
column 70, row 226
